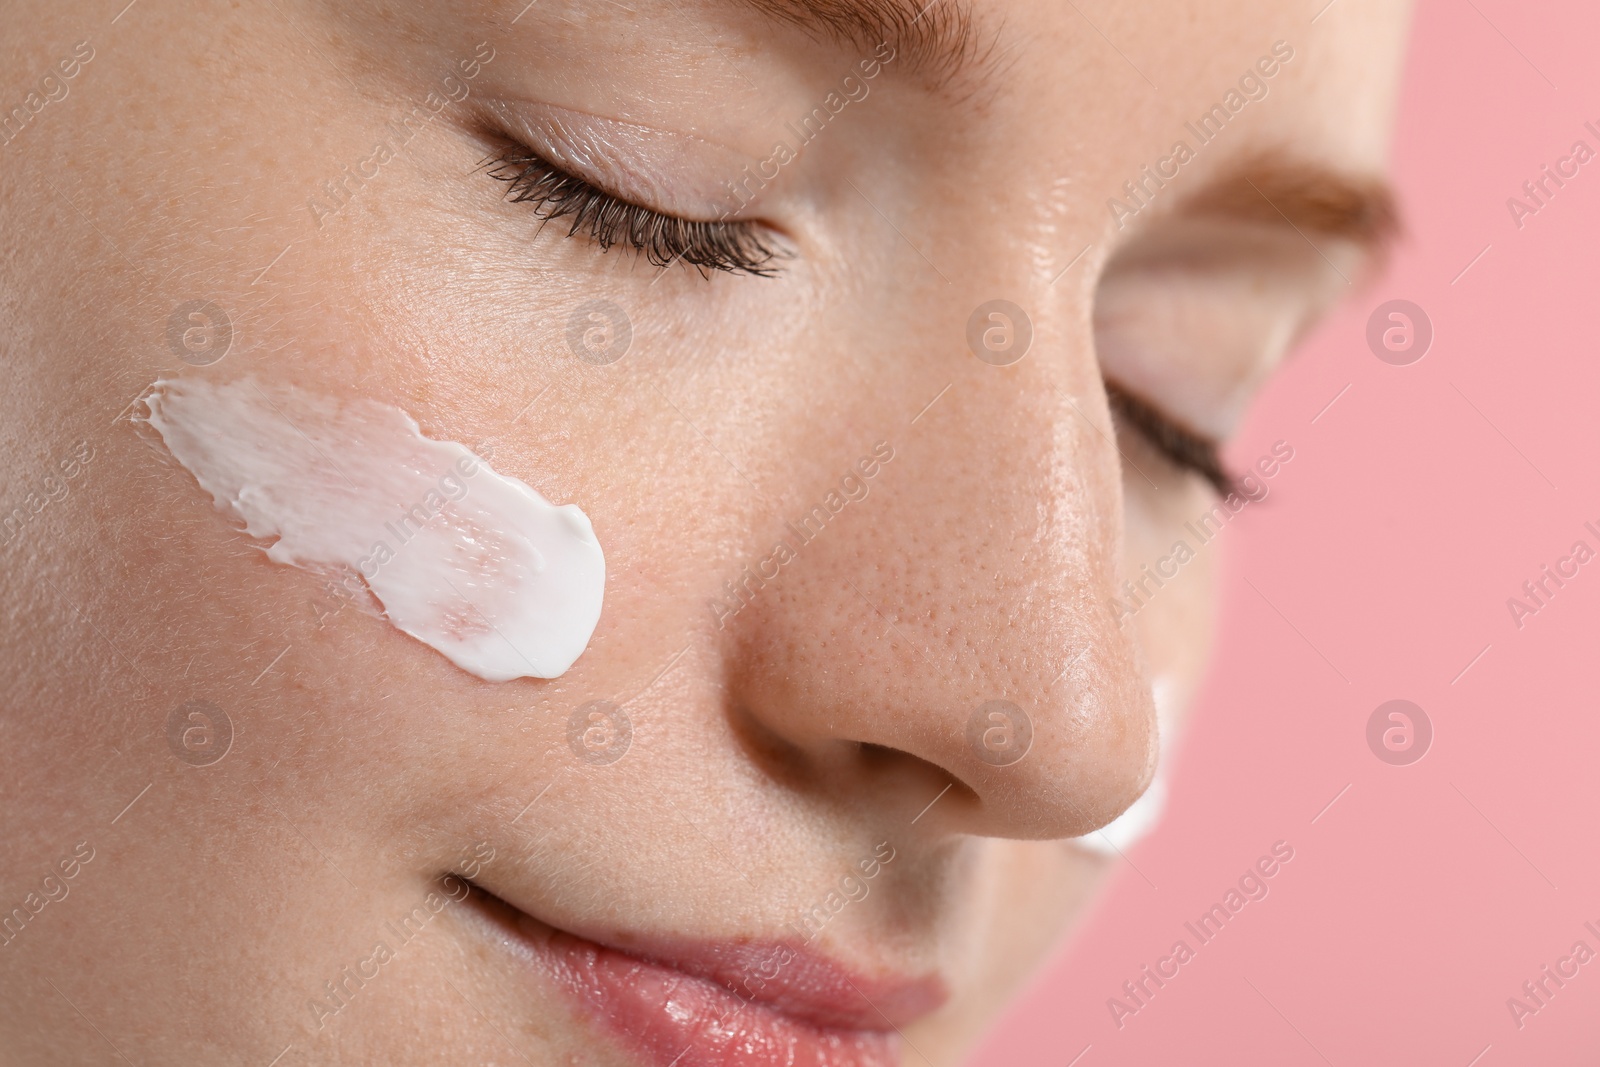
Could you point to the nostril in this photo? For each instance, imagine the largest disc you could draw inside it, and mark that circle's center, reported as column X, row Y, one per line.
column 906, row 781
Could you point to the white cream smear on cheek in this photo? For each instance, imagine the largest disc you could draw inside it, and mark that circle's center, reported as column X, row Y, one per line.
column 473, row 563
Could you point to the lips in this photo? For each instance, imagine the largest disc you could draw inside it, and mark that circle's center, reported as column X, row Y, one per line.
column 729, row 1004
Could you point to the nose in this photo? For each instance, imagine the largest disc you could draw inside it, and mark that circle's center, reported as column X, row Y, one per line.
column 949, row 610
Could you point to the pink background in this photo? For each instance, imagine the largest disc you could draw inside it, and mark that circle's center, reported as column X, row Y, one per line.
column 1415, row 506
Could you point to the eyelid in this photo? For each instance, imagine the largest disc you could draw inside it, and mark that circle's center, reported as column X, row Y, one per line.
column 679, row 174
column 1183, row 447
column 733, row 246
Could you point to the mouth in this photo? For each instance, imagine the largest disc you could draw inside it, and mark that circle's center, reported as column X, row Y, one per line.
column 744, row 1003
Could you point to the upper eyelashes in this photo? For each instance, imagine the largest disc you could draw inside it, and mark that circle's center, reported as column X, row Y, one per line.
column 1181, row 446
column 734, row 246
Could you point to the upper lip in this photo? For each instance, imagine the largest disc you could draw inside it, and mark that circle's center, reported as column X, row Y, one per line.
column 783, row 975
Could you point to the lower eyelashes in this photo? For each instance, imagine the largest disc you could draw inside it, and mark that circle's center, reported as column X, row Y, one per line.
column 737, row 247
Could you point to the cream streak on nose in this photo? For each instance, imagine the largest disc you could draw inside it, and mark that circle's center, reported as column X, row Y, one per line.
column 473, row 563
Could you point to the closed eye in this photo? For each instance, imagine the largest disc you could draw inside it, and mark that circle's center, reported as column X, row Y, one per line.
column 735, row 246
column 1181, row 446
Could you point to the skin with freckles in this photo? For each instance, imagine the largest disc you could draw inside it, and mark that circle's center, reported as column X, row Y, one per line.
column 325, row 175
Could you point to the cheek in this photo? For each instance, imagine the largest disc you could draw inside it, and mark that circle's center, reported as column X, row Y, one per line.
column 1175, row 626
column 1036, row 890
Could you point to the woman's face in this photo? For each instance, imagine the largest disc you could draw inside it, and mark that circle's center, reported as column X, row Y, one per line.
column 848, row 448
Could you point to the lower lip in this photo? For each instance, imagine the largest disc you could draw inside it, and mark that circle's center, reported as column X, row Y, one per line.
column 672, row 1019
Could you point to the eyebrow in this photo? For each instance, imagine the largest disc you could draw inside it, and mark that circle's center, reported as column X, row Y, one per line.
column 1277, row 186
column 937, row 37
column 1273, row 187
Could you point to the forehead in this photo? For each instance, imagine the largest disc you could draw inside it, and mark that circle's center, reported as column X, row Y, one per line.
column 1170, row 47
column 1137, row 78
column 1132, row 80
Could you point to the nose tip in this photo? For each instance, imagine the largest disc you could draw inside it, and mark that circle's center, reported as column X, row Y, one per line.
column 1061, row 764
column 1029, row 752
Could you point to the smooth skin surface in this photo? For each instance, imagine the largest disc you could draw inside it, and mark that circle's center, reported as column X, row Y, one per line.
column 195, row 156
